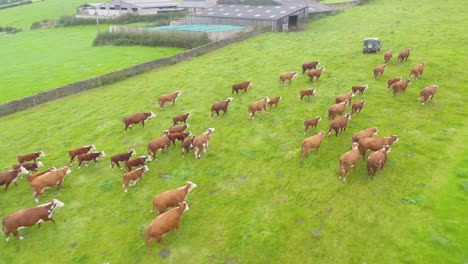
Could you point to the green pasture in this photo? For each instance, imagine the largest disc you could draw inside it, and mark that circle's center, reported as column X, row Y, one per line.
column 38, row 60
column 24, row 16
column 255, row 201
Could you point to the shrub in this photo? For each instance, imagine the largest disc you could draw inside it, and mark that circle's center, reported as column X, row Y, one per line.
column 159, row 19
column 147, row 39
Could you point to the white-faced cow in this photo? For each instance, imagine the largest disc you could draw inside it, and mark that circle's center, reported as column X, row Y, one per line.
column 180, row 118
column 366, row 133
column 307, row 92
column 258, row 106
column 241, row 86
column 31, row 156
column 312, row 122
column 172, row 198
column 178, row 129
column 392, row 81
column 173, row 137
column 403, row 56
column 379, row 70
column 164, row 223
column 187, row 144
column 170, row 97
column 158, row 144
column 428, row 93
column 122, row 157
column 137, row 162
column 401, row 86
column 93, row 156
column 339, row 124
column 376, row 161
column 274, row 101
column 47, row 180
column 221, row 106
column 201, row 142
column 31, row 177
column 347, row 161
column 133, row 176
column 359, row 88
column 387, row 56
column 357, row 107
column 309, row 66
column 11, row 176
column 375, row 144
column 345, row 97
column 134, row 119
column 29, row 217
column 287, row 77
column 417, row 70
column 29, row 166
column 79, row 151
column 315, row 74
column 312, row 142
column 337, row 109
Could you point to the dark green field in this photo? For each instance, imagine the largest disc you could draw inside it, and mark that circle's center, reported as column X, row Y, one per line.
column 255, row 202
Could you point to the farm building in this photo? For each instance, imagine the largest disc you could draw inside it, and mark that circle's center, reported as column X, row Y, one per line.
column 120, row 7
column 278, row 17
column 195, row 5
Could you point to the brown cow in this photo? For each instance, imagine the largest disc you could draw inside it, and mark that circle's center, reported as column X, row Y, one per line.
column 375, row 144
column 170, row 97
column 137, row 162
column 187, row 144
column 201, row 142
column 241, row 86
column 157, row 144
column 178, row 129
column 258, row 106
column 339, row 124
column 392, row 81
column 116, row 159
column 11, row 176
column 274, row 101
column 180, row 118
column 31, row 177
column 359, row 88
column 309, row 66
column 133, row 176
column 221, row 105
column 387, row 56
column 337, row 109
column 379, row 70
column 29, row 166
column 173, row 137
column 403, row 56
column 313, row 122
column 308, row 92
column 366, row 133
column 29, row 217
column 54, row 177
column 172, row 198
column 79, row 151
column 316, row 74
column 344, row 97
column 93, row 156
column 357, row 107
column 164, row 223
column 31, row 156
column 428, row 93
column 287, row 77
column 400, row 86
column 347, row 161
column 141, row 118
column 417, row 70
column 376, row 161
column 312, row 142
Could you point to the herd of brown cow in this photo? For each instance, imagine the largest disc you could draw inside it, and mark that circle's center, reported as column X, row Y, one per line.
column 170, row 205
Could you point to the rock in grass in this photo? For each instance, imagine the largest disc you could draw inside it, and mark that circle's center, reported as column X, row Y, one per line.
column 243, row 178
column 73, row 245
column 164, row 253
column 317, row 232
column 231, row 261
column 164, row 175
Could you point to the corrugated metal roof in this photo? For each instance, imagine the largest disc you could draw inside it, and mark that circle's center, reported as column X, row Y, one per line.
column 194, row 4
column 314, row 7
column 147, row 3
column 250, row 12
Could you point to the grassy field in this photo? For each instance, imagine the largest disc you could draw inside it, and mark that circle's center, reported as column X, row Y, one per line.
column 44, row 59
column 255, row 202
column 38, row 11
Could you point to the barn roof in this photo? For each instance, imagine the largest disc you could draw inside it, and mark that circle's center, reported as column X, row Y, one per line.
column 195, row 4
column 145, row 3
column 314, row 6
column 249, row 11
